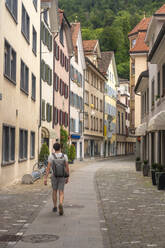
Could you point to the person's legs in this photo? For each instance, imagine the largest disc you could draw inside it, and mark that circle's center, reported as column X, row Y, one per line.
column 61, row 196
column 54, row 197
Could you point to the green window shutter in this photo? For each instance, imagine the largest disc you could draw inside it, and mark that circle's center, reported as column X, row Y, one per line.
column 50, row 43
column 47, row 38
column 50, row 113
column 42, row 31
column 46, row 73
column 47, row 111
column 43, row 70
column 50, row 77
column 43, row 110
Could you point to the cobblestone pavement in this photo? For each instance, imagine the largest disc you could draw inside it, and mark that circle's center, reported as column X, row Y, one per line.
column 20, row 204
column 133, row 209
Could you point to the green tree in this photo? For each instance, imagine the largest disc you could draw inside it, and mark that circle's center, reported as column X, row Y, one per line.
column 44, row 152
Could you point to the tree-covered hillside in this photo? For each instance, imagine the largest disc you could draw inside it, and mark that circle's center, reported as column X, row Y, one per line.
column 110, row 21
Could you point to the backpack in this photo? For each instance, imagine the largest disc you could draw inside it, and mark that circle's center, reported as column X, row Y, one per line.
column 59, row 166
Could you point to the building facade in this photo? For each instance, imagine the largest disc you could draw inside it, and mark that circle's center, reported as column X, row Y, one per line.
column 151, row 85
column 47, row 133
column 107, row 65
column 93, row 101
column 77, row 69
column 20, row 88
column 63, row 50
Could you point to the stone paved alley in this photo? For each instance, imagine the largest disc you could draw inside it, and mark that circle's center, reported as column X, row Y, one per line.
column 131, row 210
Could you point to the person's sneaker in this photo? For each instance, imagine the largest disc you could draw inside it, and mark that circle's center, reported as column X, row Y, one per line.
column 61, row 211
column 55, row 209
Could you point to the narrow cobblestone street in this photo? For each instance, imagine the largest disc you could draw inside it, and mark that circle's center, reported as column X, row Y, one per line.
column 130, row 210
column 134, row 210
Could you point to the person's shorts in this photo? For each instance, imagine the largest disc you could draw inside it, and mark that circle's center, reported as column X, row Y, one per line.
column 58, row 183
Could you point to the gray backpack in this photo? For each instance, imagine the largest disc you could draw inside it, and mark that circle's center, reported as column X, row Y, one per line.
column 59, row 166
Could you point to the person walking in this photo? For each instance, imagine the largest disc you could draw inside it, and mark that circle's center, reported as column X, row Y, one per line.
column 58, row 163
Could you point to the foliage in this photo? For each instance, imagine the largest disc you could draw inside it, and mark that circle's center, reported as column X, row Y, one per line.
column 137, row 159
column 145, row 162
column 44, row 153
column 63, row 140
column 110, row 21
column 71, row 153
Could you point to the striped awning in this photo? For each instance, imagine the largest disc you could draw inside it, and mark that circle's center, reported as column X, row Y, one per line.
column 141, row 129
column 157, row 122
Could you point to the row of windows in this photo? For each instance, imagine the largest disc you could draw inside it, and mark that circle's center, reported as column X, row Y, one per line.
column 46, row 73
column 121, row 124
column 94, row 80
column 46, row 36
column 8, row 145
column 60, row 86
column 76, row 101
column 58, row 53
column 10, row 71
column 12, row 6
column 94, row 101
column 46, row 111
column 94, row 123
column 60, row 117
column 76, row 76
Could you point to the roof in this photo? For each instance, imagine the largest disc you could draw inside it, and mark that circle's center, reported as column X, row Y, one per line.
column 105, row 61
column 89, row 45
column 75, row 28
column 97, row 69
column 144, row 74
column 161, row 10
column 140, row 46
column 141, row 26
column 157, row 42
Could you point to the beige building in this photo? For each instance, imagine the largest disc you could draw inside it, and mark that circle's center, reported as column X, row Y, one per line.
column 93, row 101
column 151, row 86
column 138, row 63
column 20, row 88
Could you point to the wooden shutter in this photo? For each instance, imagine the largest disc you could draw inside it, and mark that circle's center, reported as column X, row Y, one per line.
column 43, row 110
column 55, row 49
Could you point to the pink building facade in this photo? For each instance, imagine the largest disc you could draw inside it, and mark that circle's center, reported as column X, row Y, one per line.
column 63, row 50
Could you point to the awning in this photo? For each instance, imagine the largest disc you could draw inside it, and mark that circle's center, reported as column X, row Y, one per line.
column 141, row 129
column 157, row 122
column 75, row 136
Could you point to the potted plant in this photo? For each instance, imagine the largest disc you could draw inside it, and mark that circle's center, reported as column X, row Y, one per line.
column 44, row 153
column 71, row 153
column 160, row 177
column 138, row 164
column 153, row 173
column 146, row 168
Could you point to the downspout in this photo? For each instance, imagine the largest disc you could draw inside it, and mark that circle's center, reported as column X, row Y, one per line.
column 104, row 152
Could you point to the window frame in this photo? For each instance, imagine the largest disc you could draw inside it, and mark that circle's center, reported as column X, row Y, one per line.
column 23, row 145
column 26, row 32
column 11, row 11
column 33, row 94
column 26, row 70
column 34, row 46
column 9, row 142
column 32, row 146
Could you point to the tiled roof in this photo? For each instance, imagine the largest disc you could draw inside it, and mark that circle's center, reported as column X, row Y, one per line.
column 75, row 28
column 161, row 10
column 105, row 61
column 89, row 45
column 142, row 25
column 140, row 45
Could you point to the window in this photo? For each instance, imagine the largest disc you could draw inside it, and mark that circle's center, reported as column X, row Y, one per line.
column 43, row 110
column 48, row 112
column 118, row 122
column 61, row 35
column 43, row 70
column 92, row 123
column 158, row 93
column 61, row 87
column 65, row 119
column 23, row 144
column 34, row 42
column 8, row 145
column 35, row 4
column 96, row 124
column 24, row 77
column 122, row 122
column 32, row 144
column 101, row 125
column 86, row 121
column 46, row 16
column 163, row 80
column 25, row 28
column 80, row 127
column 61, row 117
column 133, row 42
column 12, row 7
column 153, row 92
column 65, row 91
column 55, row 116
column 101, row 105
column 33, row 87
column 56, row 82
column 91, row 98
column 10, row 62
column 87, row 97
column 56, row 50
